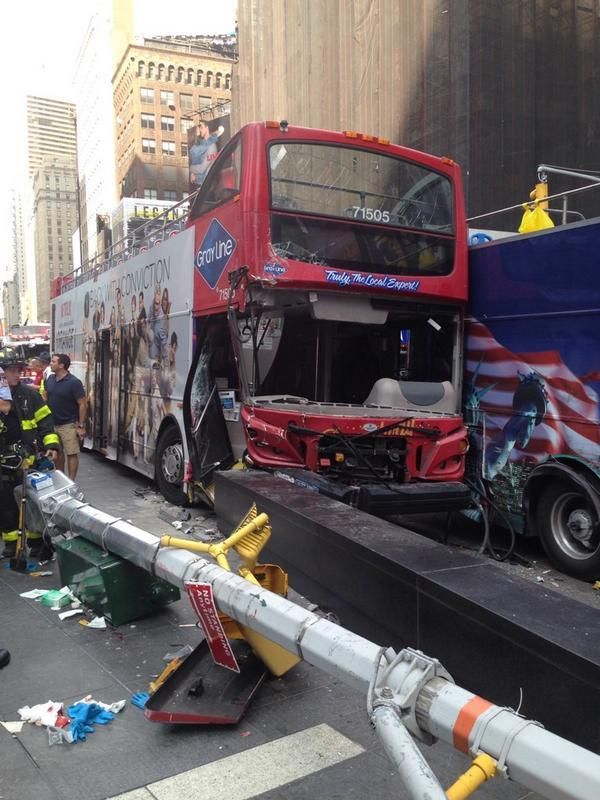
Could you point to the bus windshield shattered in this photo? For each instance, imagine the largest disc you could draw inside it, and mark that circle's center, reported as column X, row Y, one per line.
column 361, row 210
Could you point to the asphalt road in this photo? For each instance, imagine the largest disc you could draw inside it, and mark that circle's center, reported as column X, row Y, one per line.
column 305, row 735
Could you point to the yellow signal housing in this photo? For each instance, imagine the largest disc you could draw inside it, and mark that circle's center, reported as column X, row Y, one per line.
column 539, row 194
column 248, row 539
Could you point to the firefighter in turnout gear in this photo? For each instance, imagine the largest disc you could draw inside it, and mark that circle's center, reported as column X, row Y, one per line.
column 26, row 432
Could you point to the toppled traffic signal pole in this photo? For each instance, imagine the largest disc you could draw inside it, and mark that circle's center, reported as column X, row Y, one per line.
column 408, row 693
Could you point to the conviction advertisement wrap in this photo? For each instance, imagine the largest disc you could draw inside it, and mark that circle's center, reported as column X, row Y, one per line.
column 128, row 331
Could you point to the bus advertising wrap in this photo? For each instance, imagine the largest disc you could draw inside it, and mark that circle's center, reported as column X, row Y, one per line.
column 128, row 331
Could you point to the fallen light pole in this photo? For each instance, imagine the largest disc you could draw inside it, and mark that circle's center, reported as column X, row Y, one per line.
column 406, row 691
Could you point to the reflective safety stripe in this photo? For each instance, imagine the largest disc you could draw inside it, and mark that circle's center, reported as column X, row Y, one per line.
column 41, row 413
column 10, row 536
column 51, row 438
column 465, row 721
column 29, row 425
column 33, row 535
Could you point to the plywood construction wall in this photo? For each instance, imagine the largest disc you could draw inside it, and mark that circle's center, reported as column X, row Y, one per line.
column 498, row 85
column 335, row 64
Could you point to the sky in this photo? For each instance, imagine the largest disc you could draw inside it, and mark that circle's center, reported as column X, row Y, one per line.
column 40, row 42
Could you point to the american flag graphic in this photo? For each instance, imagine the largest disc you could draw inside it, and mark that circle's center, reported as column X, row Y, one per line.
column 494, row 373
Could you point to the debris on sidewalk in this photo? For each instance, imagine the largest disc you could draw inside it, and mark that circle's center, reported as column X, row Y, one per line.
column 174, row 514
column 70, row 613
column 33, row 594
column 98, row 623
column 13, row 727
column 72, row 726
column 42, row 713
column 84, row 716
column 57, row 598
column 139, row 699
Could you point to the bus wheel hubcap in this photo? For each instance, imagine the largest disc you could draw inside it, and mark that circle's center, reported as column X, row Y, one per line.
column 172, row 463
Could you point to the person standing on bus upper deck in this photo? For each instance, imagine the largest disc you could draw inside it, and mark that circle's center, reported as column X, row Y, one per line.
column 67, row 401
column 203, row 152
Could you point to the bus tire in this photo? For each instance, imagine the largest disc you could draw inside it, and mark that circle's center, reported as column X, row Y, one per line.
column 568, row 525
column 169, row 466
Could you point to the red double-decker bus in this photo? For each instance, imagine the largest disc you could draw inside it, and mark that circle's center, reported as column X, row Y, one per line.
column 308, row 319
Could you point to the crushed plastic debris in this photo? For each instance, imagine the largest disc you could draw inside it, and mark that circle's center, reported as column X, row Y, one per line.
column 13, row 727
column 57, row 598
column 59, row 735
column 33, row 594
column 70, row 613
column 98, row 623
column 42, row 713
column 182, row 652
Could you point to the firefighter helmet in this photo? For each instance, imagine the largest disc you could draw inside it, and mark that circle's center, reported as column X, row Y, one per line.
column 9, row 357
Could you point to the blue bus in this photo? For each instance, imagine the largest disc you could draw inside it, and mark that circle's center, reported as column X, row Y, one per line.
column 532, row 387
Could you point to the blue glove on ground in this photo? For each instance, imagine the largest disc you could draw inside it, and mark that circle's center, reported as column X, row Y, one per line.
column 84, row 715
column 139, row 699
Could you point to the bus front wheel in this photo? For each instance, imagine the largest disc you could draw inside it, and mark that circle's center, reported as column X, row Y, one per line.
column 169, row 466
column 569, row 528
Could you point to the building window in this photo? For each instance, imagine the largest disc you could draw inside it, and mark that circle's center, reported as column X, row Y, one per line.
column 186, row 124
column 167, row 98
column 204, row 102
column 148, row 121
column 224, row 106
column 209, row 77
column 167, row 123
column 170, row 72
column 168, row 148
column 150, row 194
column 170, row 194
column 147, row 95
column 218, row 78
column 180, row 74
column 148, row 146
column 184, row 149
column 186, row 102
column 190, row 76
column 228, row 81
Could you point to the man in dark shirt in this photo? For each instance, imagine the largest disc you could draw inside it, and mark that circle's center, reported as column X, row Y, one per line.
column 67, row 401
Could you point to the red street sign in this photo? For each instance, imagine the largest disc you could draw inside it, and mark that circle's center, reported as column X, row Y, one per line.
column 201, row 596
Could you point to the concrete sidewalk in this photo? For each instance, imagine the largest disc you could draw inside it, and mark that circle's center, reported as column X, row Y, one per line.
column 304, row 736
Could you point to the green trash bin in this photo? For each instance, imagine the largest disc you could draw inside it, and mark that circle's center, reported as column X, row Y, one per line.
column 113, row 587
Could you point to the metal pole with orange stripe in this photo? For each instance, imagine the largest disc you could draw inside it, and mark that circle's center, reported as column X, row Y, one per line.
column 407, row 692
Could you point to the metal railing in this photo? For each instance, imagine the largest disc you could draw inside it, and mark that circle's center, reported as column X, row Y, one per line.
column 138, row 240
column 542, row 175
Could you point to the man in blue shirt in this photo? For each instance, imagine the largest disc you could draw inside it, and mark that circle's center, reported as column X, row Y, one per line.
column 203, row 152
column 67, row 401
